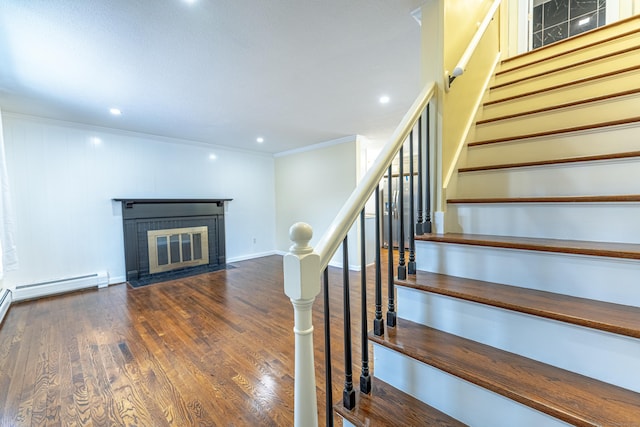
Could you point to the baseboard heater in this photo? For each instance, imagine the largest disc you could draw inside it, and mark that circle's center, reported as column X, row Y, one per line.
column 5, row 302
column 53, row 287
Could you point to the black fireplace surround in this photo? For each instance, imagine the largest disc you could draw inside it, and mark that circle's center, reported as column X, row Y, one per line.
column 142, row 215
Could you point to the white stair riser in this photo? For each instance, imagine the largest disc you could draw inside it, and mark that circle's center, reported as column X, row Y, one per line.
column 459, row 399
column 606, row 279
column 621, row 176
column 595, row 68
column 587, row 143
column 564, row 95
column 597, row 222
column 566, row 346
column 599, row 112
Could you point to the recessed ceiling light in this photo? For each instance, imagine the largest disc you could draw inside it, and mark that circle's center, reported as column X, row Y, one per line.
column 212, row 156
column 260, row 140
column 384, row 99
column 95, row 140
column 190, row 1
column 115, row 111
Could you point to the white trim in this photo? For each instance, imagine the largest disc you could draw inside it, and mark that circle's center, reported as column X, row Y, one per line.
column 439, row 222
column 116, row 131
column 254, row 255
column 470, row 123
column 5, row 302
column 116, row 280
column 338, row 141
column 417, row 15
column 352, row 267
column 59, row 286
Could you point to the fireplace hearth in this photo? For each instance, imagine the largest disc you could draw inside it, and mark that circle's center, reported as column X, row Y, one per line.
column 172, row 235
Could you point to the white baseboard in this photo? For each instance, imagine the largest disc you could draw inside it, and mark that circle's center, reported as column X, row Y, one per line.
column 5, row 302
column 254, row 255
column 117, row 279
column 58, row 286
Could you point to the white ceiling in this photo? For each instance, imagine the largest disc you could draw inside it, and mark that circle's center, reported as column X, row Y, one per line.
column 296, row 72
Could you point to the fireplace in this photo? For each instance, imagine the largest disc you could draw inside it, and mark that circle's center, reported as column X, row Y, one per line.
column 176, row 248
column 169, row 235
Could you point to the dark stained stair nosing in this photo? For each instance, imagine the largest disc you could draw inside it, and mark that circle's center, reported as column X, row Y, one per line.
column 565, row 160
column 573, row 398
column 387, row 406
column 574, row 247
column 604, row 316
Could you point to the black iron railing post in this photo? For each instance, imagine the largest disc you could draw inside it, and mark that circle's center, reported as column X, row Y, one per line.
column 365, row 378
column 420, row 220
column 378, row 322
column 426, row 227
column 412, row 241
column 391, row 311
column 327, row 352
column 348, row 394
column 402, row 268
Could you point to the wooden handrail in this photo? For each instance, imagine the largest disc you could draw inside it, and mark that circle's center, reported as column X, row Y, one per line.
column 460, row 67
column 332, row 238
column 302, row 267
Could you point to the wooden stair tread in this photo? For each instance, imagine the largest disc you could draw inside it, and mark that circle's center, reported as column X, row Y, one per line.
column 577, row 247
column 614, row 318
column 580, row 159
column 387, row 406
column 570, row 397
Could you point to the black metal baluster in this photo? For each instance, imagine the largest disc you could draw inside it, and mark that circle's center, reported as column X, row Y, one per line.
column 412, row 240
column 426, row 227
column 365, row 378
column 420, row 220
column 378, row 322
column 402, row 268
column 348, row 394
column 327, row 352
column 391, row 311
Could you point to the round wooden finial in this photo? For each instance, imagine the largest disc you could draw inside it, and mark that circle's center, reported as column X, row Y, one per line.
column 300, row 234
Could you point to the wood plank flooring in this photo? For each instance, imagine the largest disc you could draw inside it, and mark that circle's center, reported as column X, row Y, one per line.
column 210, row 350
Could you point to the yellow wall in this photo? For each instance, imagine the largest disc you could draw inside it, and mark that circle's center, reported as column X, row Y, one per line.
column 457, row 23
column 461, row 21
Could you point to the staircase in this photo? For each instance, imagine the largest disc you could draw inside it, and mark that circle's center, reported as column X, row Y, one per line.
column 527, row 311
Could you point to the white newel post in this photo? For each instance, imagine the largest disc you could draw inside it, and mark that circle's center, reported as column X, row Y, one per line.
column 301, row 285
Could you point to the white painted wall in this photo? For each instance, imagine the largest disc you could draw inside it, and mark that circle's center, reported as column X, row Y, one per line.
column 312, row 185
column 64, row 175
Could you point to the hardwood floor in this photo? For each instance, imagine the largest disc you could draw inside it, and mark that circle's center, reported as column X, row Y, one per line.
column 210, row 350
